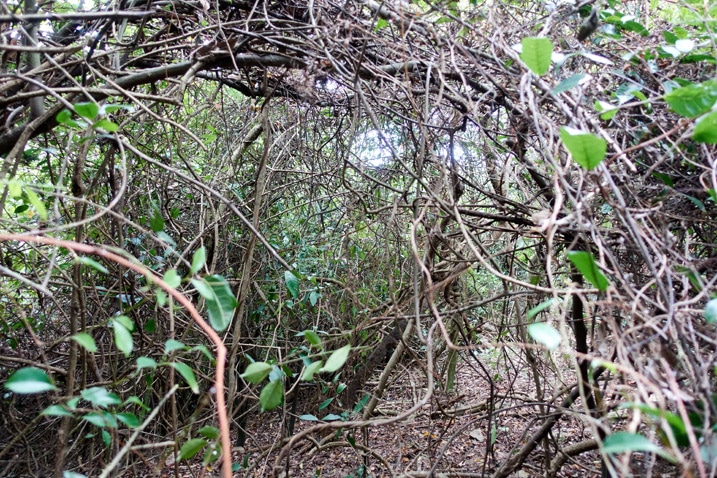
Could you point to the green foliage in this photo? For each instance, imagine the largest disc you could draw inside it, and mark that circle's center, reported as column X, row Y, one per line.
column 586, row 149
column 536, row 53
column 621, row 442
column 219, row 298
column 585, row 263
column 29, row 380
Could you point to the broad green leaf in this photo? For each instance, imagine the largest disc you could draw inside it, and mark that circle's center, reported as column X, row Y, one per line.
column 337, row 359
column 86, row 341
column 219, row 299
column 14, row 188
column 100, row 397
column 381, row 23
column 256, row 372
column 325, row 403
column 313, row 338
column 123, row 338
column 101, row 419
column 271, row 395
column 87, row 110
column 585, row 263
column 37, row 203
column 209, row 432
column 171, row 277
column 29, row 380
column 198, row 260
column 569, row 83
column 156, row 222
column 129, row 419
column 545, row 335
column 539, row 308
column 106, row 438
column 191, row 448
column 171, row 345
column 607, row 110
column 314, row 297
column 309, row 418
column 107, row 125
column 309, row 371
column 638, row 28
column 693, row 100
column 88, row 261
column 125, row 321
column 586, row 149
column 56, row 411
column 65, row 117
column 187, row 374
column 536, row 53
column 136, row 401
column 620, row 442
column 146, row 362
column 711, row 311
column 706, row 129
column 332, row 417
column 203, row 349
column 292, row 284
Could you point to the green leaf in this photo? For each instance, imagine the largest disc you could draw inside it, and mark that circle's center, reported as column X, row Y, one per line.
column 100, row 397
column 29, row 380
column 219, row 299
column 146, row 362
column 545, row 335
column 107, row 125
column 569, row 83
column 125, row 321
column 86, row 341
column 88, row 261
column 198, row 260
column 693, row 100
column 620, row 442
column 381, row 23
column 65, row 117
column 171, row 345
column 309, row 371
column 337, row 359
column 586, row 149
column 156, row 222
column 101, row 419
column 536, row 53
column 87, row 110
column 314, row 298
column 106, row 438
column 129, row 419
column 171, row 277
column 191, row 448
column 313, row 338
column 14, row 188
column 325, row 403
column 585, row 263
column 123, row 337
column 271, row 395
column 309, row 418
column 37, row 203
column 187, row 374
column 209, row 432
column 292, row 284
column 706, row 129
column 56, row 411
column 256, row 372
column 711, row 311
column 539, row 308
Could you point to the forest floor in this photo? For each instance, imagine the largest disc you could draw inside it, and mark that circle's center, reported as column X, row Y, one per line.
column 432, row 439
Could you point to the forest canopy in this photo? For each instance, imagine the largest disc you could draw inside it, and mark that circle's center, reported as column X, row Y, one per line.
column 271, row 238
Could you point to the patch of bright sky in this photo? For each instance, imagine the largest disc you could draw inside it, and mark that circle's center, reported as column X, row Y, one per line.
column 372, row 152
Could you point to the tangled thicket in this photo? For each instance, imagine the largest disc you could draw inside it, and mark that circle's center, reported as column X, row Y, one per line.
column 404, row 163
